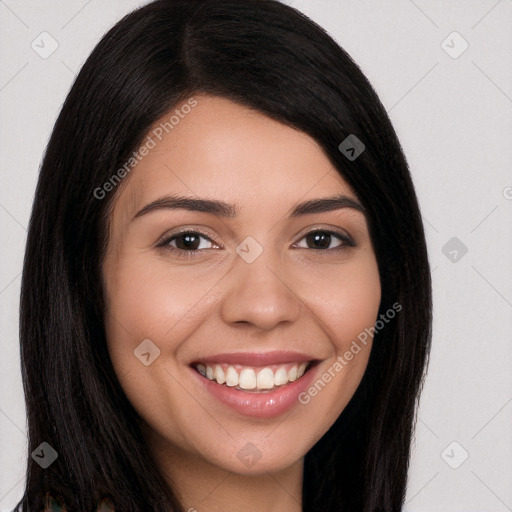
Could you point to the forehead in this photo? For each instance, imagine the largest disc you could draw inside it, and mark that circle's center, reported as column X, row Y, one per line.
column 223, row 150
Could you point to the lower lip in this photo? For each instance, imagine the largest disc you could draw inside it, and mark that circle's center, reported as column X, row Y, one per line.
column 259, row 405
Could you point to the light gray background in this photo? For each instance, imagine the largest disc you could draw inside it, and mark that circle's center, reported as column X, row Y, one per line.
column 454, row 119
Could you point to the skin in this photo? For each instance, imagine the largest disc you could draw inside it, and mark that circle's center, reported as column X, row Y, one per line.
column 294, row 296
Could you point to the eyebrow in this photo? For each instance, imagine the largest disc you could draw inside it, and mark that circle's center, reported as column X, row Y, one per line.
column 222, row 209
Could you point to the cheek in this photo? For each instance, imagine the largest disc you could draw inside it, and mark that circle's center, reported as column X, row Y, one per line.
column 346, row 306
column 346, row 301
column 148, row 299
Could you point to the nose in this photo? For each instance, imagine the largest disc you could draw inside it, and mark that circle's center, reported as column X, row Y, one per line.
column 260, row 293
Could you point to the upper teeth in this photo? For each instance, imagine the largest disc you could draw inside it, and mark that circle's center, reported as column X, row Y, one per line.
column 252, row 378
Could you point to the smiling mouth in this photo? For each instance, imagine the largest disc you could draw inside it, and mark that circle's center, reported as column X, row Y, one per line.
column 251, row 378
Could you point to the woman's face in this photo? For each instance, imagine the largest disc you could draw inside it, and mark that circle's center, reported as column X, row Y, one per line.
column 250, row 287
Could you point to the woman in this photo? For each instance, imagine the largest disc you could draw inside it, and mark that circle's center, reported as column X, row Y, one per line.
column 226, row 298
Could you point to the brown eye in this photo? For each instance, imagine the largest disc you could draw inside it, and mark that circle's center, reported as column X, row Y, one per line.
column 322, row 240
column 187, row 244
column 319, row 240
column 186, row 241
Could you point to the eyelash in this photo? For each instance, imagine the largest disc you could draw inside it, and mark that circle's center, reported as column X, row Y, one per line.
column 347, row 242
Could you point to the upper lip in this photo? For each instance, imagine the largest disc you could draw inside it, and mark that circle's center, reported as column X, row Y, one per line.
column 256, row 358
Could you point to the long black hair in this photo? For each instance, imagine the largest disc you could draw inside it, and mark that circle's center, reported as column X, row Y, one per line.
column 270, row 57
